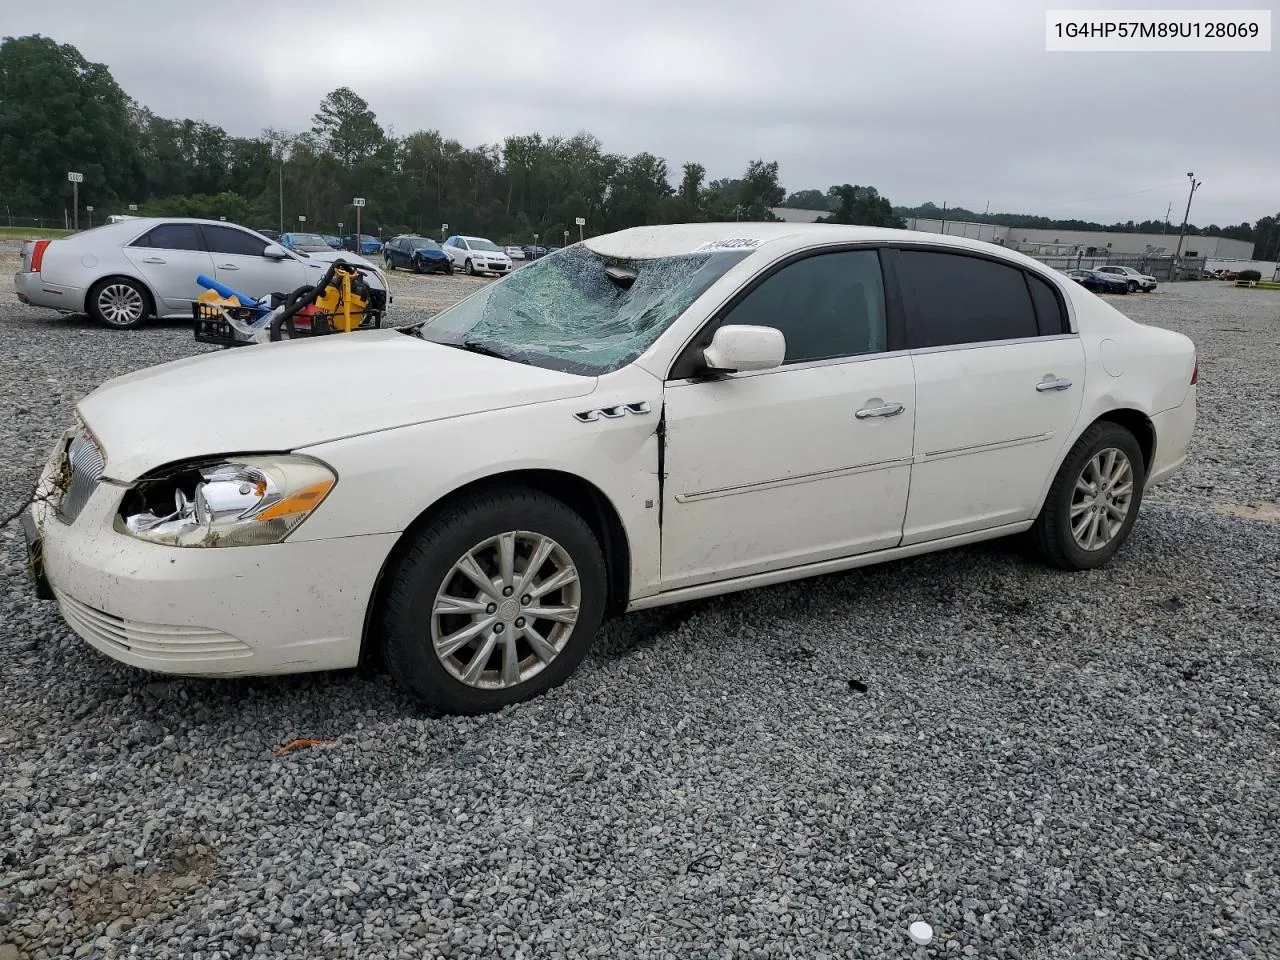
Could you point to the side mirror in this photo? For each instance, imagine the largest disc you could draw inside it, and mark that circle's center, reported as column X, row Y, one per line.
column 273, row 251
column 739, row 348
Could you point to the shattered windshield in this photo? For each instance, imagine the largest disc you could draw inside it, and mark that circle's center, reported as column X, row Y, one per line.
column 567, row 313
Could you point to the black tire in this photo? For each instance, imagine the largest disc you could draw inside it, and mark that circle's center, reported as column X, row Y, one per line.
column 427, row 561
column 416, row 264
column 1133, row 286
column 468, row 269
column 448, row 268
column 1051, row 537
column 391, row 264
column 131, row 291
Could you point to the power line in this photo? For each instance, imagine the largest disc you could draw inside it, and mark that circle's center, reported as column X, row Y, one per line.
column 1113, row 196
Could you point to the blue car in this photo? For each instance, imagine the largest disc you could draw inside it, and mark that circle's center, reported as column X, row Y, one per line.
column 335, row 242
column 366, row 244
column 419, row 254
column 304, row 242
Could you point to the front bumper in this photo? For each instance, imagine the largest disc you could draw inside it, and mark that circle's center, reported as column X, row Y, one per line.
column 291, row 607
column 38, row 292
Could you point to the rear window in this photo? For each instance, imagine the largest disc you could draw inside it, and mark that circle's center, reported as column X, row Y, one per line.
column 953, row 299
column 171, row 236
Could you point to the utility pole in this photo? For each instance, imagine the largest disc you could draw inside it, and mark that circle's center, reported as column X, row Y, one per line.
column 282, row 194
column 1195, row 185
column 944, row 216
column 1166, row 218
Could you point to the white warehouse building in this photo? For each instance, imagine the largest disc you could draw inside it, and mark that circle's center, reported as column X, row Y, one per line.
column 1054, row 242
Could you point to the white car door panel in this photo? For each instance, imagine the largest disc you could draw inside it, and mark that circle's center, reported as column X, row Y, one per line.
column 169, row 258
column 773, row 470
column 999, row 385
column 806, row 462
column 991, row 424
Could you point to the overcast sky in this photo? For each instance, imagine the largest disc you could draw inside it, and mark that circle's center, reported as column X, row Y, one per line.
column 942, row 100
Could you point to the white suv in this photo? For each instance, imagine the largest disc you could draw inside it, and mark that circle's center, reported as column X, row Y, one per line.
column 476, row 255
column 1137, row 281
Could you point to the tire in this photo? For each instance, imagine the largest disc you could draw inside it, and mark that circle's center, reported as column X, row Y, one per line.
column 391, row 264
column 468, row 269
column 119, row 303
column 415, row 265
column 1133, row 286
column 428, row 569
column 1052, row 536
column 448, row 268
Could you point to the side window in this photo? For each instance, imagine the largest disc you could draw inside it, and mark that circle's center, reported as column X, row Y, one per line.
column 234, row 242
column 827, row 306
column 171, row 236
column 953, row 299
column 1050, row 315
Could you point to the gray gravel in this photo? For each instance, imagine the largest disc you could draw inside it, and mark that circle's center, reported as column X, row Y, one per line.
column 1037, row 764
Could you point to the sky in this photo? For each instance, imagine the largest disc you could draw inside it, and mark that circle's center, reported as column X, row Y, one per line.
column 927, row 100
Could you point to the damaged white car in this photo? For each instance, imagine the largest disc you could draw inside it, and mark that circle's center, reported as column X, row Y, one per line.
column 648, row 417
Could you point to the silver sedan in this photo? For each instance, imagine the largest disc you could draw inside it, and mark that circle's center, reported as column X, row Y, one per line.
column 122, row 273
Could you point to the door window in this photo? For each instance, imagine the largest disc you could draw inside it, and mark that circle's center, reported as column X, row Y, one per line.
column 827, row 306
column 234, row 242
column 1051, row 318
column 954, row 299
column 171, row 236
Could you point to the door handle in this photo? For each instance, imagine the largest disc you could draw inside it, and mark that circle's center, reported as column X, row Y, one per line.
column 1053, row 383
column 153, row 260
column 884, row 410
column 227, row 266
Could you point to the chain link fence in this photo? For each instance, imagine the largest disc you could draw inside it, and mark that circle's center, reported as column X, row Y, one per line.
column 1162, row 268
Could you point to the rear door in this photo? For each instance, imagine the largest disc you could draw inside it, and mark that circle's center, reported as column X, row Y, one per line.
column 169, row 257
column 999, row 383
column 239, row 263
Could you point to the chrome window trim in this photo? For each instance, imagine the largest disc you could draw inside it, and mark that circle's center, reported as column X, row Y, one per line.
column 982, row 344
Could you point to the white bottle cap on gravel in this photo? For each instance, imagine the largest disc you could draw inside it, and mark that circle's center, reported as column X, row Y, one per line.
column 920, row 932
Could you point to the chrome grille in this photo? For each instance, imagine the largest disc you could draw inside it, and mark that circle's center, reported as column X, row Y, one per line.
column 85, row 466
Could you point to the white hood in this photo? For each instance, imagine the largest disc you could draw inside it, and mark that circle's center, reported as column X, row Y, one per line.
column 281, row 396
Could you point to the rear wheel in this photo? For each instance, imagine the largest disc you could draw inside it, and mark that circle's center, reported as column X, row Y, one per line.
column 119, row 303
column 495, row 601
column 1094, row 500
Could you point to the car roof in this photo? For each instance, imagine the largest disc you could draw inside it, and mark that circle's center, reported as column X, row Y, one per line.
column 672, row 240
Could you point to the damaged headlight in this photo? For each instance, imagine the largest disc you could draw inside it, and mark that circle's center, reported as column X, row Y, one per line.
column 242, row 502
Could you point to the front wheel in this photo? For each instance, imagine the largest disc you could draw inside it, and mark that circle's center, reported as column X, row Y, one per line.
column 448, row 268
column 494, row 602
column 1133, row 286
column 1094, row 500
column 416, row 264
column 391, row 264
column 468, row 269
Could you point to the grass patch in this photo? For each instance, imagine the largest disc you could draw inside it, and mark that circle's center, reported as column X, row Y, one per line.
column 29, row 233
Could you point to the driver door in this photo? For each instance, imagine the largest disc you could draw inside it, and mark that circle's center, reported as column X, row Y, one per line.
column 238, row 262
column 807, row 462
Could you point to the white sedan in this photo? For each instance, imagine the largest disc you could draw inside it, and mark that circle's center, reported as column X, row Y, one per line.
column 122, row 273
column 651, row 416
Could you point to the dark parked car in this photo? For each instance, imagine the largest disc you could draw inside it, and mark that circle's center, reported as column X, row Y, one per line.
column 419, row 254
column 365, row 244
column 270, row 234
column 533, row 253
column 1098, row 282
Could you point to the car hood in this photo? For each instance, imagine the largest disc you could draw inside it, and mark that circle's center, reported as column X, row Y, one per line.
column 277, row 397
column 429, row 253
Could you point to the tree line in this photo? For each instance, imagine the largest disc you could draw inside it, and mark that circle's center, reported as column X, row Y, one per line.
column 59, row 112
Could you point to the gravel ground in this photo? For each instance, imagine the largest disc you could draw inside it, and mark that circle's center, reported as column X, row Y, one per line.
column 1037, row 764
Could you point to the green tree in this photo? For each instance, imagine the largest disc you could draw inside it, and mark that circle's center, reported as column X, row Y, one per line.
column 807, row 200
column 59, row 112
column 346, row 128
column 861, row 205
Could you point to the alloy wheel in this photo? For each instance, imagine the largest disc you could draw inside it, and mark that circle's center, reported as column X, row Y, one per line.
column 505, row 610
column 121, row 304
column 1102, row 498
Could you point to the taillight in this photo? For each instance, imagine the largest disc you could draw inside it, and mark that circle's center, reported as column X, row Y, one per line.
column 1195, row 373
column 37, row 254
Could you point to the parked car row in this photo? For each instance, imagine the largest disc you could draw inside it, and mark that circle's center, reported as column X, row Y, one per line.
column 1112, row 279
